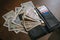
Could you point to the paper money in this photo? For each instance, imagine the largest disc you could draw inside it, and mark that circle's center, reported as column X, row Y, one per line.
column 29, row 25
column 27, row 5
column 23, row 19
column 18, row 19
column 8, row 15
column 15, row 28
column 6, row 24
column 32, row 14
column 23, row 31
column 18, row 9
column 28, row 18
column 12, row 26
column 16, row 31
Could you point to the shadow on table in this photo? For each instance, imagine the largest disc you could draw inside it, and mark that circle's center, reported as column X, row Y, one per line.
column 55, row 35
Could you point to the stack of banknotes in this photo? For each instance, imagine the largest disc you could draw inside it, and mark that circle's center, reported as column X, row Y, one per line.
column 22, row 19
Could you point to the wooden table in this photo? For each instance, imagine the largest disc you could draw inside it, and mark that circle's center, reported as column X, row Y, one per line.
column 7, row 5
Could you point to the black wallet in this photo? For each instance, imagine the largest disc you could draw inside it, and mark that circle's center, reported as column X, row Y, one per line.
column 51, row 23
column 49, row 19
column 37, row 32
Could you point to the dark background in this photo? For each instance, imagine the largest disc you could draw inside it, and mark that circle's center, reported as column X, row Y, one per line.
column 7, row 5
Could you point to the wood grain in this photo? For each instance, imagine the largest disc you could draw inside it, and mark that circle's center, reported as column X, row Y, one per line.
column 7, row 5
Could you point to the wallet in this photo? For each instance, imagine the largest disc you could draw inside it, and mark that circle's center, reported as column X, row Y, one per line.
column 51, row 23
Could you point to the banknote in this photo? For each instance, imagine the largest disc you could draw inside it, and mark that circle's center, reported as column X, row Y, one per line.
column 16, row 31
column 6, row 24
column 28, row 18
column 27, row 5
column 8, row 15
column 23, row 31
column 18, row 9
column 29, row 24
column 23, row 19
column 18, row 19
column 32, row 14
column 14, row 27
column 11, row 26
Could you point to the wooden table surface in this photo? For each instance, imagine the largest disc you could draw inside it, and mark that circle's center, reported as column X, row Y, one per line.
column 7, row 5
